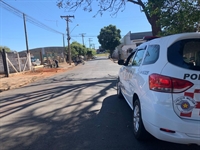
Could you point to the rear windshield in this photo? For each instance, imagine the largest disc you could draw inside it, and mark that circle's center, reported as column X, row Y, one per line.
column 185, row 54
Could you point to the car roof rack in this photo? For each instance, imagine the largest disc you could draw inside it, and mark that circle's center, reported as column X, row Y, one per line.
column 148, row 38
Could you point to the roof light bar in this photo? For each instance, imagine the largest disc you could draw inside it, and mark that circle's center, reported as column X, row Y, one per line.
column 148, row 38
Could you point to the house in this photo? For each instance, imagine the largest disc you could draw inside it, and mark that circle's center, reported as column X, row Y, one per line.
column 129, row 42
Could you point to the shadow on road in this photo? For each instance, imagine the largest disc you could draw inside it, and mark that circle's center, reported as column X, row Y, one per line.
column 72, row 125
column 15, row 103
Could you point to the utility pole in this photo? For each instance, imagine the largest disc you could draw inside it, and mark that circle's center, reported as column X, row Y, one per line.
column 5, row 63
column 63, row 40
column 94, row 46
column 27, row 50
column 68, row 37
column 90, row 39
column 82, row 34
column 64, row 48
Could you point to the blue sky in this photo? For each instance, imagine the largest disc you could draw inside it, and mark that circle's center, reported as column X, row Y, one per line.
column 12, row 29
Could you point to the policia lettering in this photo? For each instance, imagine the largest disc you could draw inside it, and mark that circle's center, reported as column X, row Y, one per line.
column 192, row 76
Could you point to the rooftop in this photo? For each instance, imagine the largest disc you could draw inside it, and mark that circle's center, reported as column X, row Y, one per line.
column 140, row 35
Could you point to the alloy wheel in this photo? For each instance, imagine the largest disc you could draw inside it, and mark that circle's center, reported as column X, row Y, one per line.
column 136, row 118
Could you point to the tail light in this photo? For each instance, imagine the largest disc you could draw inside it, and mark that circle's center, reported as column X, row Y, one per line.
column 167, row 84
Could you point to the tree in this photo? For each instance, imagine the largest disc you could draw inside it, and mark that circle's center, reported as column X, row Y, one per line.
column 152, row 8
column 77, row 49
column 180, row 16
column 7, row 49
column 116, row 5
column 109, row 38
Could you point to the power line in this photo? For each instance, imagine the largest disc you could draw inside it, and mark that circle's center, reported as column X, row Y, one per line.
column 84, row 36
column 41, row 25
column 89, row 36
column 10, row 8
column 27, row 17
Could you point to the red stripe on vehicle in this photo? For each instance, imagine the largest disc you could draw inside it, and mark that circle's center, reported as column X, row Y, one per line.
column 189, row 94
column 197, row 91
column 186, row 114
column 197, row 105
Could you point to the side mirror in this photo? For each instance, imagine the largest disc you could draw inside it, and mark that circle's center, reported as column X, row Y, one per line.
column 121, row 62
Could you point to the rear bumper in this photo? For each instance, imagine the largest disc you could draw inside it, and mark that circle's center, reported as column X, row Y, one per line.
column 158, row 113
column 177, row 137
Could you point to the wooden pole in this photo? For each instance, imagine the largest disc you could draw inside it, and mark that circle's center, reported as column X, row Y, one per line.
column 27, row 50
column 19, row 62
column 5, row 63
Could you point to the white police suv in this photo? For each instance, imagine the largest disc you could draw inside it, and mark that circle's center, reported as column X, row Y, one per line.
column 160, row 81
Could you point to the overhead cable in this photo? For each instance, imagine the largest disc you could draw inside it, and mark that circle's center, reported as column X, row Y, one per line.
column 28, row 18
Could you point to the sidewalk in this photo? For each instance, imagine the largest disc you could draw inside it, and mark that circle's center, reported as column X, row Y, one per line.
column 16, row 80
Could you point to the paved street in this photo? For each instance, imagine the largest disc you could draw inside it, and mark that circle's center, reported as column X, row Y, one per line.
column 75, row 110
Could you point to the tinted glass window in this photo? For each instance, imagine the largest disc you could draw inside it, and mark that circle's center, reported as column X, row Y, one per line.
column 151, row 54
column 185, row 54
column 129, row 59
column 138, row 57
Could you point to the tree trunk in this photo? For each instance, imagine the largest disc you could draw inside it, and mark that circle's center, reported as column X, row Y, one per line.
column 156, row 29
column 154, row 25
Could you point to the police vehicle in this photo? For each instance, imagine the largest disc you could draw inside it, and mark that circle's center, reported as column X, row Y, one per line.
column 160, row 80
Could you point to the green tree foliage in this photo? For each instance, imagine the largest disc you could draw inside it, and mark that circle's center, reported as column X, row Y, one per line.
column 7, row 49
column 154, row 10
column 114, row 6
column 94, row 52
column 90, row 53
column 77, row 49
column 180, row 16
column 109, row 38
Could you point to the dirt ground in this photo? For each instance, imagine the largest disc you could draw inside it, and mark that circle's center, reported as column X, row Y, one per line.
column 16, row 80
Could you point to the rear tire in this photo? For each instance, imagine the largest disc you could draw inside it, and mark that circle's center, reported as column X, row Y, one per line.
column 119, row 93
column 138, row 126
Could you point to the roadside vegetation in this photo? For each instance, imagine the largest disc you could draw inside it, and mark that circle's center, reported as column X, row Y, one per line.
column 102, row 54
column 7, row 49
column 109, row 38
column 79, row 50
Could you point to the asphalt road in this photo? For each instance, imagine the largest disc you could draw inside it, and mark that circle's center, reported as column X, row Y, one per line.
column 75, row 110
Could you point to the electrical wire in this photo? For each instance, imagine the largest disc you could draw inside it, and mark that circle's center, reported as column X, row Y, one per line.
column 28, row 18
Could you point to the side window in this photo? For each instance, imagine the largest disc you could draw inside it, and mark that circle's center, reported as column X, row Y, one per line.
column 185, row 54
column 129, row 59
column 138, row 57
column 152, row 54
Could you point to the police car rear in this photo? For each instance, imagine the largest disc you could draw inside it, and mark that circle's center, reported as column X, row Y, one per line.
column 176, row 90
